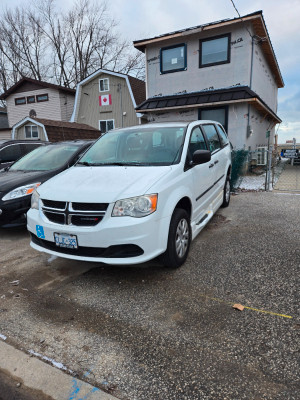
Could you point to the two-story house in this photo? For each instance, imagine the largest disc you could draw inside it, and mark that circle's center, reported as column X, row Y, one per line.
column 34, row 98
column 225, row 71
column 107, row 100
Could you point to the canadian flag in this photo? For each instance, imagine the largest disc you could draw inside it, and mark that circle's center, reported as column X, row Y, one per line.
column 105, row 100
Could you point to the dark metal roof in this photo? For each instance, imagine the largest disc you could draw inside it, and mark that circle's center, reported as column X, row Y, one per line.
column 201, row 98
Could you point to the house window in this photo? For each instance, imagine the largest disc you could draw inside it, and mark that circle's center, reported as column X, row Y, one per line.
column 31, row 132
column 219, row 114
column 20, row 100
column 173, row 58
column 106, row 125
column 214, row 51
column 42, row 97
column 103, row 85
column 30, row 99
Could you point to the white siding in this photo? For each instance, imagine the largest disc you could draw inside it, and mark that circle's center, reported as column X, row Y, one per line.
column 66, row 105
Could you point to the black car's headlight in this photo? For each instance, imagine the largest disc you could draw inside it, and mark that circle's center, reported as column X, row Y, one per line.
column 21, row 191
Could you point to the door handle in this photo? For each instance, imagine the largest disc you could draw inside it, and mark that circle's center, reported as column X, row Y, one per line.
column 211, row 165
column 216, row 162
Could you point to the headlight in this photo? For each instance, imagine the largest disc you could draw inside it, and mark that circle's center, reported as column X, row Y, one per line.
column 135, row 206
column 21, row 191
column 35, row 200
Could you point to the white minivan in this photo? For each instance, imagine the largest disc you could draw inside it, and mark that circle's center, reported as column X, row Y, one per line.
column 137, row 193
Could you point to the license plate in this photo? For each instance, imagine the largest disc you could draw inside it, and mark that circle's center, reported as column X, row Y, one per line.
column 65, row 240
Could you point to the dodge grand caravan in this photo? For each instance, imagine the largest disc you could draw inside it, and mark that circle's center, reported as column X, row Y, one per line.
column 137, row 193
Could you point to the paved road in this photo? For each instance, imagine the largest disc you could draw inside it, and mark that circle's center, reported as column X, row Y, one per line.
column 150, row 333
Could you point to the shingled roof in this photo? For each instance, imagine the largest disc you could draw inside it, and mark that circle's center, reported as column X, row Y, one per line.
column 33, row 84
column 206, row 98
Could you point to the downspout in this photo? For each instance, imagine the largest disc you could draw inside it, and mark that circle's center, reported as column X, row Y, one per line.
column 251, row 77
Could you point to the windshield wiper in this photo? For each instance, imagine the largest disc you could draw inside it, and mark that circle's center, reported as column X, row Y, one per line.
column 85, row 163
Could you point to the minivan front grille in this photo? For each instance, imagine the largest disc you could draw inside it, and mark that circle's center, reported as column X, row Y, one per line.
column 77, row 214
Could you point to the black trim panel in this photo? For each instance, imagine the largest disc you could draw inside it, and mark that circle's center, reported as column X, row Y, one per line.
column 206, row 191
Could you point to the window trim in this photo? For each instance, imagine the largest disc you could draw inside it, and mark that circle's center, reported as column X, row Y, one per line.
column 226, row 108
column 41, row 101
column 227, row 61
column 106, row 120
column 103, row 79
column 20, row 98
column 32, row 137
column 184, row 68
column 30, row 102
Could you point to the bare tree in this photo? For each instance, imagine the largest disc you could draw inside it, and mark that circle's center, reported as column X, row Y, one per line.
column 63, row 48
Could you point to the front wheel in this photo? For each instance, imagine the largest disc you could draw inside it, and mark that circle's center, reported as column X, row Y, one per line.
column 178, row 241
column 226, row 193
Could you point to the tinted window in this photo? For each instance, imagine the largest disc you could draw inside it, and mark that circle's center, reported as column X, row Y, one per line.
column 223, row 136
column 10, row 153
column 212, row 137
column 197, row 141
column 27, row 147
column 173, row 58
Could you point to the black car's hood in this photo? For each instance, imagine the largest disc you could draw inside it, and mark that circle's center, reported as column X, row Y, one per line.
column 10, row 180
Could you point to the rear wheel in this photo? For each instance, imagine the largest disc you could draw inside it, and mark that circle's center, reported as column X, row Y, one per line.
column 178, row 241
column 226, row 193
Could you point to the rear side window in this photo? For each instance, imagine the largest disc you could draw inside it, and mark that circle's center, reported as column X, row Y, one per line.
column 212, row 137
column 223, row 136
column 10, row 153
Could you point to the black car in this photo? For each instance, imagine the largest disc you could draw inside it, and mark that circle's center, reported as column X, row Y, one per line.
column 18, row 181
column 12, row 150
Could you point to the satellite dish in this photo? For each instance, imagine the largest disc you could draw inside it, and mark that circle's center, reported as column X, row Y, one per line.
column 32, row 113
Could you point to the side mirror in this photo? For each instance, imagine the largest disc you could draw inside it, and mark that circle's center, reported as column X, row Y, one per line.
column 201, row 157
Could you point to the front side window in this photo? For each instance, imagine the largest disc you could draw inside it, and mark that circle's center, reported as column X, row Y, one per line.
column 223, row 136
column 219, row 114
column 106, row 125
column 212, row 137
column 173, row 58
column 42, row 97
column 20, row 100
column 197, row 141
column 103, row 85
column 156, row 146
column 214, row 51
column 31, row 131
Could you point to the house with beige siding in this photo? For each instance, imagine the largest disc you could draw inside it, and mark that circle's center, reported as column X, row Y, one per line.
column 34, row 98
column 4, row 128
column 107, row 100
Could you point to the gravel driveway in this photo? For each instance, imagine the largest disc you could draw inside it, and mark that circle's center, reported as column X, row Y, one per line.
column 148, row 333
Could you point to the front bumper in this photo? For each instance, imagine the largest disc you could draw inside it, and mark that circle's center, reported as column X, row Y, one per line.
column 13, row 212
column 115, row 240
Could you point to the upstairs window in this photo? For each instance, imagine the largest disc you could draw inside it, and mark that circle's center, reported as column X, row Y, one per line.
column 42, row 97
column 20, row 100
column 31, row 132
column 30, row 99
column 104, row 85
column 214, row 51
column 173, row 58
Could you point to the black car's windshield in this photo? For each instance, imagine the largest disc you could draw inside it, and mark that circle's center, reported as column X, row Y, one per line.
column 45, row 158
column 137, row 146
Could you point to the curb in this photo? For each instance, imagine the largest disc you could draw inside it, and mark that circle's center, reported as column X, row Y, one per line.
column 36, row 374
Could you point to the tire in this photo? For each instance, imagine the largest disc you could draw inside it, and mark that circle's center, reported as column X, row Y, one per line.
column 179, row 240
column 226, row 193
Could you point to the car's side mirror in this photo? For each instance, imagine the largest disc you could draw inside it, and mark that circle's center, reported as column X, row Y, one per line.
column 201, row 157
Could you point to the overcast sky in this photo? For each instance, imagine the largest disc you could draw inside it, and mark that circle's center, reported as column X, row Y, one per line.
column 140, row 19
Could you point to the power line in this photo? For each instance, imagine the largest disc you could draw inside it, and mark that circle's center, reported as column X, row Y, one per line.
column 234, row 6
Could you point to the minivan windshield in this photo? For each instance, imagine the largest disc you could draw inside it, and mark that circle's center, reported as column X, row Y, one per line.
column 45, row 158
column 139, row 146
